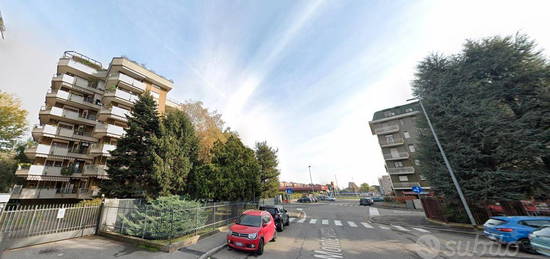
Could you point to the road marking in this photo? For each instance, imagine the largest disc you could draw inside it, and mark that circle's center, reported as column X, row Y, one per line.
column 400, row 228
column 330, row 245
column 324, row 221
column 292, row 219
column 373, row 211
column 421, row 230
column 352, row 224
column 313, row 221
column 367, row 225
column 338, row 223
column 384, row 227
column 301, row 220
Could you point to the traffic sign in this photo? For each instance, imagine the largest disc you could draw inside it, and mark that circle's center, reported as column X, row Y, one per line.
column 289, row 191
column 417, row 189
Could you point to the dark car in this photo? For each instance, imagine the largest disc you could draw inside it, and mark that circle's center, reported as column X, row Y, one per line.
column 279, row 215
column 366, row 202
column 304, row 199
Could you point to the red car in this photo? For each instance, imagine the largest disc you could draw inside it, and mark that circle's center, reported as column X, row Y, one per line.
column 252, row 230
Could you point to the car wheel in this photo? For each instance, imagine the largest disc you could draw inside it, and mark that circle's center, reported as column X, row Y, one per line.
column 260, row 250
column 274, row 237
column 525, row 245
column 280, row 227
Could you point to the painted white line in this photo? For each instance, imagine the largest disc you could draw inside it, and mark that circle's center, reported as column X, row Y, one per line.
column 301, row 220
column 384, row 227
column 421, row 230
column 367, row 225
column 338, row 223
column 373, row 212
column 400, row 228
column 299, row 209
column 352, row 224
column 324, row 221
column 292, row 219
column 313, row 221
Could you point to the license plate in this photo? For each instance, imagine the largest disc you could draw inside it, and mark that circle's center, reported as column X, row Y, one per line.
column 238, row 244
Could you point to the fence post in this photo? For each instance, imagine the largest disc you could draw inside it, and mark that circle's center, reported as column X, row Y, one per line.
column 100, row 214
column 32, row 220
column 214, row 215
column 171, row 225
column 82, row 213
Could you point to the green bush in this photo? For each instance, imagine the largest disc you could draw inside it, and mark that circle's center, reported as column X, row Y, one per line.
column 163, row 218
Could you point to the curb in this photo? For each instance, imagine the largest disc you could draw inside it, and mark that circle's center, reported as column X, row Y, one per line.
column 212, row 251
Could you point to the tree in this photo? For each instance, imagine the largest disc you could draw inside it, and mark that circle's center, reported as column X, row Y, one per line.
column 12, row 120
column 490, row 107
column 131, row 164
column 208, row 125
column 364, row 187
column 176, row 153
column 269, row 174
column 8, row 165
column 233, row 174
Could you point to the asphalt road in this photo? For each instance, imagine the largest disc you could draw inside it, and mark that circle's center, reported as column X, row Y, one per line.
column 343, row 229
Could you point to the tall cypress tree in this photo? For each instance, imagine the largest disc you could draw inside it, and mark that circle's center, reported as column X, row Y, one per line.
column 131, row 164
column 269, row 174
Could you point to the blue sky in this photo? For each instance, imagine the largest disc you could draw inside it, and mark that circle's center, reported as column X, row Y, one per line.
column 304, row 75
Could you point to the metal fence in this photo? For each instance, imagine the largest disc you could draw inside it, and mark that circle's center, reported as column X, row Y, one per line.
column 145, row 221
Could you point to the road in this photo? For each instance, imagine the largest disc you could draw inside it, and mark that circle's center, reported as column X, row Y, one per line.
column 343, row 229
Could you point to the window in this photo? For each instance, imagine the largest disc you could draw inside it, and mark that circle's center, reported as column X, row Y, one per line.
column 398, row 164
column 536, row 223
column 411, row 148
column 389, row 114
column 155, row 95
column 403, row 178
column 406, row 134
column 417, row 162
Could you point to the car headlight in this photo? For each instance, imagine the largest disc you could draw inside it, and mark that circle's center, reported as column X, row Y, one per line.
column 252, row 236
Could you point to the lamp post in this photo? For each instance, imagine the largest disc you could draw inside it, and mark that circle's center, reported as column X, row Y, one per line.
column 310, row 179
column 449, row 168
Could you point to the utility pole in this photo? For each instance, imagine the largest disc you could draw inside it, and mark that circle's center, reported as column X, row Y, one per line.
column 335, row 187
column 310, row 179
column 449, row 168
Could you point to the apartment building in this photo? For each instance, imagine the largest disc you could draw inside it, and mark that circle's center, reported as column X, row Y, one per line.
column 83, row 117
column 385, row 185
column 397, row 135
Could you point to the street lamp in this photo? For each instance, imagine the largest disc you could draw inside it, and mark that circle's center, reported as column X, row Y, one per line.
column 310, row 179
column 453, row 177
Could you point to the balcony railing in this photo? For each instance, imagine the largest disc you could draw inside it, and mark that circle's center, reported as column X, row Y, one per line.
column 386, row 129
column 401, row 170
column 102, row 148
column 396, row 141
column 396, row 156
column 122, row 95
column 57, row 111
column 95, row 170
column 405, row 185
column 115, row 111
column 64, row 132
column 109, row 129
column 127, row 80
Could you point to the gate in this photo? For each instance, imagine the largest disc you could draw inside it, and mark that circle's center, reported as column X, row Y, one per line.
column 36, row 224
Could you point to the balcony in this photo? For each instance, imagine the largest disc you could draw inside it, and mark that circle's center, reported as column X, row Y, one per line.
column 109, row 130
column 114, row 112
column 396, row 141
column 43, row 150
column 405, row 185
column 396, row 156
column 101, row 149
column 99, row 171
column 72, row 99
column 83, row 84
column 39, row 170
column 386, row 129
column 51, row 193
column 401, row 170
column 57, row 112
column 120, row 96
column 79, row 64
column 54, row 131
column 124, row 80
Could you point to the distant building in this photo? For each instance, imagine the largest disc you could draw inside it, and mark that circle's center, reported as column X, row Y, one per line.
column 385, row 185
column 302, row 187
column 398, row 138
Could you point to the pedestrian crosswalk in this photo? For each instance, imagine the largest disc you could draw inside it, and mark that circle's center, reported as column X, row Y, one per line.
column 353, row 224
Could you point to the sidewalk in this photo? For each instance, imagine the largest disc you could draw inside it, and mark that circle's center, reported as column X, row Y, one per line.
column 418, row 221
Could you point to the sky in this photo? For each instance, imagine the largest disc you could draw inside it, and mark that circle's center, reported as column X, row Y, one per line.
column 305, row 76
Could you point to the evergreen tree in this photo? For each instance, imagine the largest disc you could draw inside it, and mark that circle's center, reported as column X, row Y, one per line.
column 490, row 107
column 176, row 153
column 131, row 164
column 269, row 174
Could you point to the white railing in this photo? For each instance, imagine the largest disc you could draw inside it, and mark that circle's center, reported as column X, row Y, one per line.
column 119, row 111
column 59, row 151
column 131, row 81
column 400, row 155
column 401, row 170
column 110, row 129
column 386, row 129
column 394, row 141
column 81, row 67
column 99, row 170
column 125, row 95
column 102, row 148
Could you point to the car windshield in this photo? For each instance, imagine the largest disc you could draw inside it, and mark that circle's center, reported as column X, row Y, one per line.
column 271, row 210
column 494, row 222
column 250, row 220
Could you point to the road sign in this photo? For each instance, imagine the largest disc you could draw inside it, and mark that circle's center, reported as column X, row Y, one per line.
column 417, row 189
column 289, row 191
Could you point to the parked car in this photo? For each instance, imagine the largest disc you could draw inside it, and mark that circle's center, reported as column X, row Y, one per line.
column 251, row 231
column 514, row 229
column 304, row 200
column 376, row 199
column 279, row 214
column 540, row 241
column 366, row 201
